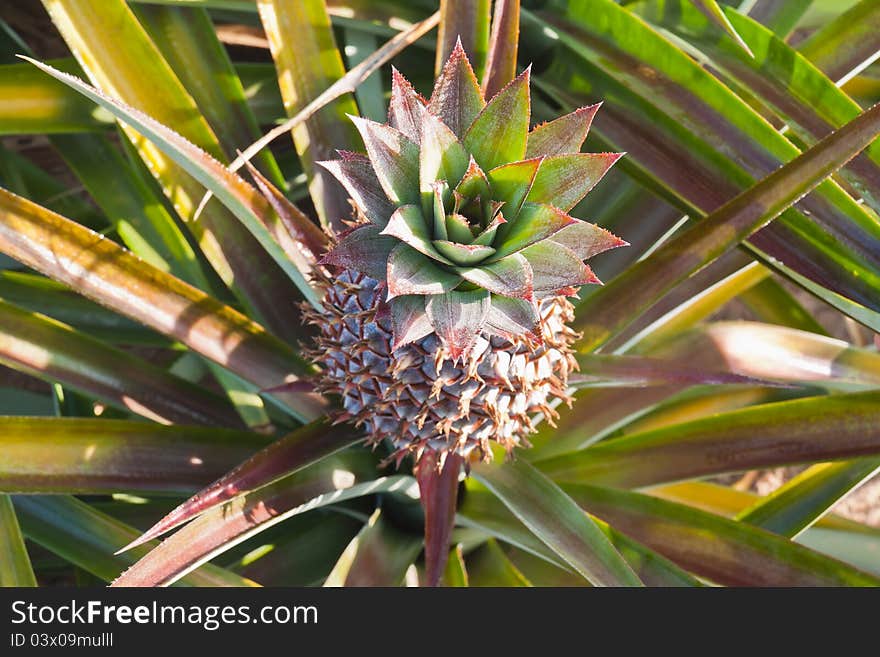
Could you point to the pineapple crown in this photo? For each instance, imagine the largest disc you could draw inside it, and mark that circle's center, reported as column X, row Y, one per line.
column 466, row 210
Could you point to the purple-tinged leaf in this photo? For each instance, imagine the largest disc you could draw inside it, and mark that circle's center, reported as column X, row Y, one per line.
column 555, row 268
column 463, row 23
column 513, row 318
column 457, row 318
column 513, row 182
column 438, row 491
column 488, row 235
column 457, row 98
column 563, row 135
column 498, row 135
column 355, row 172
column 563, row 180
column 409, row 320
column 510, row 277
column 535, row 222
column 407, row 108
column 587, row 239
column 463, row 254
column 711, row 546
column 302, row 240
column 364, row 249
column 408, row 225
column 395, row 160
column 295, row 451
column 503, row 41
column 442, row 156
column 410, row 272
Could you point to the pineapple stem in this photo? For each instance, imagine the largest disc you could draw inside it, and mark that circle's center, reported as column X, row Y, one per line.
column 438, row 484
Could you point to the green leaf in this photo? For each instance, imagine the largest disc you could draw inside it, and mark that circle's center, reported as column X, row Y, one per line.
column 513, row 317
column 463, row 255
column 441, row 155
column 188, row 41
column 35, row 104
column 305, row 54
column 410, row 226
column 563, row 180
column 555, row 268
column 356, row 174
column 846, row 45
column 55, row 352
column 395, row 160
column 554, row 518
column 456, row 574
column 490, row 566
column 104, row 272
column 78, row 533
column 801, row 501
column 715, row 13
column 607, row 311
column 244, row 201
column 409, row 272
column 511, row 277
column 378, row 556
column 512, row 183
column 713, row 547
column 563, row 135
column 141, row 220
column 780, row 16
column 534, row 223
column 95, row 27
column 784, row 433
column 15, row 565
column 67, row 455
column 498, row 134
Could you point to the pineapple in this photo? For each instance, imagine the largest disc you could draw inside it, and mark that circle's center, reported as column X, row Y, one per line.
column 445, row 312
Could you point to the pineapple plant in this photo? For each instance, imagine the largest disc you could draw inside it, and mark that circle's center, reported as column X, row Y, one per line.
column 310, row 321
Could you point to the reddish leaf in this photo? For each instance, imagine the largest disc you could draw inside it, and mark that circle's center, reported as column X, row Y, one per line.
column 498, row 135
column 407, row 108
column 364, row 249
column 511, row 277
column 501, row 60
column 556, row 267
column 438, row 488
column 409, row 320
column 395, row 159
column 563, row 135
column 457, row 318
column 563, row 180
column 586, row 239
column 457, row 98
column 409, row 272
column 356, row 174
column 513, row 317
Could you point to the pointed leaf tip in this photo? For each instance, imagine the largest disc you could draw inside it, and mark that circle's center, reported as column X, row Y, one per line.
column 563, row 135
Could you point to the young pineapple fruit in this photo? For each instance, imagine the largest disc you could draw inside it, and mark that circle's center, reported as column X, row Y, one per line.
column 444, row 319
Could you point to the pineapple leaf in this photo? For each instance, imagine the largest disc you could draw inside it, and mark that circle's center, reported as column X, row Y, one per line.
column 408, row 225
column 503, row 46
column 102, row 456
column 563, row 180
column 54, row 351
column 442, row 156
column 512, row 183
column 438, row 492
column 285, row 456
column 474, row 183
column 712, row 11
column 557, row 520
column 364, row 249
column 458, row 229
column 563, row 135
column 409, row 320
column 510, row 277
column 395, row 160
column 556, row 267
column 798, row 431
column 512, row 317
column 457, row 98
column 15, row 566
column 356, row 173
column 457, row 318
column 410, row 272
column 406, row 109
column 86, row 537
column 714, row 547
column 535, row 222
column 487, row 236
column 440, row 189
column 586, row 239
column 498, row 134
column 463, row 254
